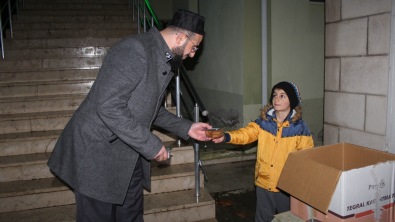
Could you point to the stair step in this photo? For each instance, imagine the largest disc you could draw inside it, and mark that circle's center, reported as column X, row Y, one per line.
column 62, row 213
column 45, row 88
column 57, row 52
column 44, row 121
column 17, row 76
column 31, row 122
column 33, row 166
column 50, row 63
column 124, row 11
column 179, row 206
column 36, row 104
column 32, row 142
column 24, row 167
column 164, row 179
column 61, row 42
column 173, row 178
column 157, row 208
column 78, row 1
column 75, row 18
column 31, row 192
column 28, row 143
column 19, row 137
column 110, row 25
column 36, row 34
column 75, row 5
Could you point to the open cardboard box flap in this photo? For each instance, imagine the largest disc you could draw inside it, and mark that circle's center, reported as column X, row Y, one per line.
column 312, row 175
column 309, row 181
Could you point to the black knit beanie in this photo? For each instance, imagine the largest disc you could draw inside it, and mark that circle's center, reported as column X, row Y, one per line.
column 292, row 92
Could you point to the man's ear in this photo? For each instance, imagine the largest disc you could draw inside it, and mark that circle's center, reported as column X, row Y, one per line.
column 181, row 38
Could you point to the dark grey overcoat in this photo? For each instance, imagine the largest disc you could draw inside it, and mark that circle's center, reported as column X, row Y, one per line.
column 98, row 149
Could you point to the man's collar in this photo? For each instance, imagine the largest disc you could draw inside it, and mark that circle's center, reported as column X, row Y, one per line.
column 163, row 49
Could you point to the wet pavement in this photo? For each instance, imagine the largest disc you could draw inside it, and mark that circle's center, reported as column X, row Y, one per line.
column 234, row 206
column 232, row 187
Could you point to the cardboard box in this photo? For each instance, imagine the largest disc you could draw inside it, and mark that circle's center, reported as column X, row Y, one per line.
column 343, row 181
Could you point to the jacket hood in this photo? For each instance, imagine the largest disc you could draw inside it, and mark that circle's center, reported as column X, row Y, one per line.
column 293, row 116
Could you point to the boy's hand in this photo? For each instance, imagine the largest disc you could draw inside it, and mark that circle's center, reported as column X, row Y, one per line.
column 219, row 139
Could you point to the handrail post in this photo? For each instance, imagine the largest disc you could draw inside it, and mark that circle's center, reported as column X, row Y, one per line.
column 138, row 16
column 178, row 102
column 17, row 10
column 10, row 17
column 133, row 9
column 1, row 37
column 197, row 158
column 145, row 25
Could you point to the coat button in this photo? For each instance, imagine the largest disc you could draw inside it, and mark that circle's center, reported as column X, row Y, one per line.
column 270, row 188
column 164, row 73
column 271, row 165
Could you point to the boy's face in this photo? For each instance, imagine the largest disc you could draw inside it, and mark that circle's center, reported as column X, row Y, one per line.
column 280, row 101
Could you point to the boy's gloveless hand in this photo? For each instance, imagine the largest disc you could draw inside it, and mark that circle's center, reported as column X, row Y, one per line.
column 219, row 139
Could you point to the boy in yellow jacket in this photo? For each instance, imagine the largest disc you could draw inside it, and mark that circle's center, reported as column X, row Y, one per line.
column 279, row 131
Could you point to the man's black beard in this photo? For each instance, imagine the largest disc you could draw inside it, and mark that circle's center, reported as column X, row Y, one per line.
column 178, row 53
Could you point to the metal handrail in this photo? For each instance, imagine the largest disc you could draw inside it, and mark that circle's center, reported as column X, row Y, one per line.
column 1, row 36
column 193, row 90
column 8, row 21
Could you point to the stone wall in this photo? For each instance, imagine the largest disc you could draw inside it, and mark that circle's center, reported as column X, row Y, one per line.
column 357, row 47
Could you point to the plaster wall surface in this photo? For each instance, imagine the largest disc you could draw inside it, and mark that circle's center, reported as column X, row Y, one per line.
column 332, row 74
column 331, row 134
column 365, row 75
column 163, row 9
column 361, row 138
column 358, row 8
column 379, row 34
column 357, row 71
column 347, row 38
column 296, row 43
column 345, row 109
column 227, row 68
column 376, row 114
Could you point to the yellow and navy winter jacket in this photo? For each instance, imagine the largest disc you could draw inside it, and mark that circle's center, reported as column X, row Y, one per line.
column 275, row 141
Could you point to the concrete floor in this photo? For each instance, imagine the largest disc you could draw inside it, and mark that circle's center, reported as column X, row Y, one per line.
column 232, row 187
column 230, row 176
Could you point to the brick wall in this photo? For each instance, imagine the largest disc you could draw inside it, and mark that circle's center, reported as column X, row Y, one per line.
column 357, row 46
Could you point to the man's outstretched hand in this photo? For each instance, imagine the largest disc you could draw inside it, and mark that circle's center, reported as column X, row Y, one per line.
column 197, row 131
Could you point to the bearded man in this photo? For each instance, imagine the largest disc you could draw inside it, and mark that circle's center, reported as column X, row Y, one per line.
column 104, row 152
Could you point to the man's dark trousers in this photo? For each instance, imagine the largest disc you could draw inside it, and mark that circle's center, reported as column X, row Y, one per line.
column 92, row 210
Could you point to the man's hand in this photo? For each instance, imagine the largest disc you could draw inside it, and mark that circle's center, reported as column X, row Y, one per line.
column 198, row 132
column 162, row 155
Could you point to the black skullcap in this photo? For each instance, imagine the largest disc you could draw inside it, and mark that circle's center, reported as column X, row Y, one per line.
column 292, row 92
column 189, row 21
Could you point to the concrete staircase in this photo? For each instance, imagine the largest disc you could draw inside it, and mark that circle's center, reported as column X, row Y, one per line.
column 49, row 67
